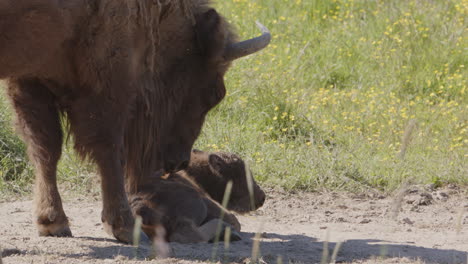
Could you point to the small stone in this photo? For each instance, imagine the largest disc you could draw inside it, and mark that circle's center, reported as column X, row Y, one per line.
column 10, row 251
column 365, row 221
column 408, row 221
column 452, row 186
column 341, row 220
column 424, row 199
column 440, row 195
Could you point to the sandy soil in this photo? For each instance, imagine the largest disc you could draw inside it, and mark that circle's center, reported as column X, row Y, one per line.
column 430, row 227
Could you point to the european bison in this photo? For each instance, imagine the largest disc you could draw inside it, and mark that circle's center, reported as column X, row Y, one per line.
column 180, row 203
column 133, row 80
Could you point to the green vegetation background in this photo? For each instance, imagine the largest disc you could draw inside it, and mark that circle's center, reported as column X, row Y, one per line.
column 351, row 95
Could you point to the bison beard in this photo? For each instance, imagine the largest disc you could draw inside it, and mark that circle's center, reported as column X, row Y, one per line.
column 134, row 79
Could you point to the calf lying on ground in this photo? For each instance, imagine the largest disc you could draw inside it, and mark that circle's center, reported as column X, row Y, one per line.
column 181, row 202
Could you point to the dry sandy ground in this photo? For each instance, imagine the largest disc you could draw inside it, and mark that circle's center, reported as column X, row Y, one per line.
column 431, row 227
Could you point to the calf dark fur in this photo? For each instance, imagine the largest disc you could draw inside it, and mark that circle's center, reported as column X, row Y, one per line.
column 213, row 170
column 184, row 210
column 187, row 203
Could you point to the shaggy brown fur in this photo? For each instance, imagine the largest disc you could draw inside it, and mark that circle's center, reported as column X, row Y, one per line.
column 181, row 202
column 135, row 80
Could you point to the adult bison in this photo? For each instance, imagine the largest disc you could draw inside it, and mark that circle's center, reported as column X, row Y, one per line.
column 134, row 79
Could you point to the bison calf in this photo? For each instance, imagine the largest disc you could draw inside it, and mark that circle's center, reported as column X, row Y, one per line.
column 185, row 211
column 186, row 203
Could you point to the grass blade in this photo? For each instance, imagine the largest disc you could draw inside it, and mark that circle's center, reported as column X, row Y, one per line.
column 227, row 195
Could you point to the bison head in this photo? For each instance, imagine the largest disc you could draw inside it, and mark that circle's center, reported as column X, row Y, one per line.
column 195, row 82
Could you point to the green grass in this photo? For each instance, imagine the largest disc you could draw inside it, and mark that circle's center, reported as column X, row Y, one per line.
column 328, row 103
column 15, row 174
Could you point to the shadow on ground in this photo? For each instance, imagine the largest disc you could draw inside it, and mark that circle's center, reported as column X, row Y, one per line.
column 291, row 248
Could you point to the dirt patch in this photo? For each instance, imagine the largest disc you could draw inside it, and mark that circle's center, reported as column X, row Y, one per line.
column 424, row 226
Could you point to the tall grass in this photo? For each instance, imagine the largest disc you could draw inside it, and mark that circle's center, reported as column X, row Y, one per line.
column 15, row 174
column 326, row 105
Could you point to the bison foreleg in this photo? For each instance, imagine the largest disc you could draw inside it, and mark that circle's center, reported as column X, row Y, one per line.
column 97, row 123
column 38, row 122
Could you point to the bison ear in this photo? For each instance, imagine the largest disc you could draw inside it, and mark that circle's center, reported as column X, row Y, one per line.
column 216, row 163
column 210, row 34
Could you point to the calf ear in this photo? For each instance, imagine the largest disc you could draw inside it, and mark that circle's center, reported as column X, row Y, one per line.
column 216, row 163
column 211, row 35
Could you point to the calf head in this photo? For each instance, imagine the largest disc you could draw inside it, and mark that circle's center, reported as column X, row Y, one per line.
column 213, row 171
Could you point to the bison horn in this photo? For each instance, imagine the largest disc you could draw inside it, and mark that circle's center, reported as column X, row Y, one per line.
column 247, row 47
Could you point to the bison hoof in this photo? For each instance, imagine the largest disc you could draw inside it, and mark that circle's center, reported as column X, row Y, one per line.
column 56, row 230
column 52, row 221
column 126, row 235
